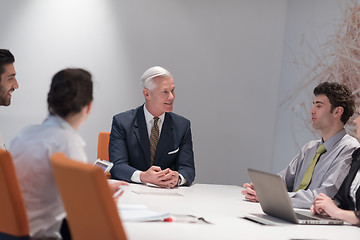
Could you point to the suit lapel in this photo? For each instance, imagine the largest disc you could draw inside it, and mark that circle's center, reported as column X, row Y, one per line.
column 349, row 180
column 140, row 131
column 357, row 203
column 166, row 139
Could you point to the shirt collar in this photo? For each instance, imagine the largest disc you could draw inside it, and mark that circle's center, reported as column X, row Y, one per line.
column 56, row 121
column 328, row 144
column 149, row 117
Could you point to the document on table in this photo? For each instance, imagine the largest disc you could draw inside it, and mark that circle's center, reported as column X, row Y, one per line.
column 139, row 213
column 174, row 194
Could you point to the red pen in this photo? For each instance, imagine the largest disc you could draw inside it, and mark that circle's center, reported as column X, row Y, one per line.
column 168, row 219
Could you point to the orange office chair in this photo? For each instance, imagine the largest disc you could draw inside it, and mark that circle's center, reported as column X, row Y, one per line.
column 91, row 210
column 103, row 146
column 13, row 218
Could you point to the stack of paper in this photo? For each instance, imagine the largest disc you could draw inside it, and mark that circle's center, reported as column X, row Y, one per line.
column 139, row 213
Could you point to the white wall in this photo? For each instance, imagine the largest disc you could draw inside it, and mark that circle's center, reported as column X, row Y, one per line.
column 225, row 57
column 309, row 25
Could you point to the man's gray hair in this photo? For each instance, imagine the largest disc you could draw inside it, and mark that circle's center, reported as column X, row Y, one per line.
column 150, row 74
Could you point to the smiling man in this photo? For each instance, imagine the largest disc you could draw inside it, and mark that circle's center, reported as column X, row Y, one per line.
column 8, row 82
column 321, row 165
column 150, row 144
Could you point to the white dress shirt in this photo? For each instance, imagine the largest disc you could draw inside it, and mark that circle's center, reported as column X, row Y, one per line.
column 31, row 151
column 354, row 187
column 149, row 119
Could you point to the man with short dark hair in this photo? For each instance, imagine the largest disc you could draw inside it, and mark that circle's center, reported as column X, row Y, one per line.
column 8, row 82
column 321, row 165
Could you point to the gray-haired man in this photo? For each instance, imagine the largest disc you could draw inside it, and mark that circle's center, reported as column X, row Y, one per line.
column 150, row 144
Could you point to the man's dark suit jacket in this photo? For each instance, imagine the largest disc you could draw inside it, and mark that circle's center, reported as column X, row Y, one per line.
column 342, row 197
column 129, row 147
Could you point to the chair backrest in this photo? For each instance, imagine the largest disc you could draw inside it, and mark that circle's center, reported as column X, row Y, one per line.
column 103, row 146
column 91, row 210
column 13, row 218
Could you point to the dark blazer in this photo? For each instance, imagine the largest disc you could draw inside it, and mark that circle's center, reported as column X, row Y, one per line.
column 342, row 197
column 129, row 147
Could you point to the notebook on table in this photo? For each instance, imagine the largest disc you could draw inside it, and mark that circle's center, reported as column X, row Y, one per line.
column 275, row 201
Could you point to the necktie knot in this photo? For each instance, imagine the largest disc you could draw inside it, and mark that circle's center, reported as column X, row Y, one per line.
column 156, row 119
column 321, row 149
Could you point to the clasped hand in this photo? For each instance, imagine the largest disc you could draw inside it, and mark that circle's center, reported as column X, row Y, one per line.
column 249, row 192
column 163, row 178
column 324, row 205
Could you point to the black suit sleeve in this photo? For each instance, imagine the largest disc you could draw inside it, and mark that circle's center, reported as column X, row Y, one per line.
column 118, row 152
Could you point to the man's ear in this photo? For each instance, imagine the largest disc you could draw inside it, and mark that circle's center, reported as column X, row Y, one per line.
column 146, row 93
column 338, row 111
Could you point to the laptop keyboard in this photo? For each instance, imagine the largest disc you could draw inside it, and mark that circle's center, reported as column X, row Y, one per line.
column 303, row 217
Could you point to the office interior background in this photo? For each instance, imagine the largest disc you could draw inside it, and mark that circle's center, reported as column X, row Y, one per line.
column 234, row 62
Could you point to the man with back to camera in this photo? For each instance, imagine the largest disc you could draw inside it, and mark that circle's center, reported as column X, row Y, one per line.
column 8, row 82
column 332, row 107
column 150, row 144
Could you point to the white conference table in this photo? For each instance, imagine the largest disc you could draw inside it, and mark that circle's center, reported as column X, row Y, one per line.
column 223, row 206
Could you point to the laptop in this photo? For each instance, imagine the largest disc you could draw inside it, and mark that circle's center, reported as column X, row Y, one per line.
column 274, row 200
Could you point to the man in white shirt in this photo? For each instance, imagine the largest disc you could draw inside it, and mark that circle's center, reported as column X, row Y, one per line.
column 8, row 82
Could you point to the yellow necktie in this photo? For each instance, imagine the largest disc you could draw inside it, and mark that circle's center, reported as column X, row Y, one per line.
column 154, row 138
column 309, row 172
